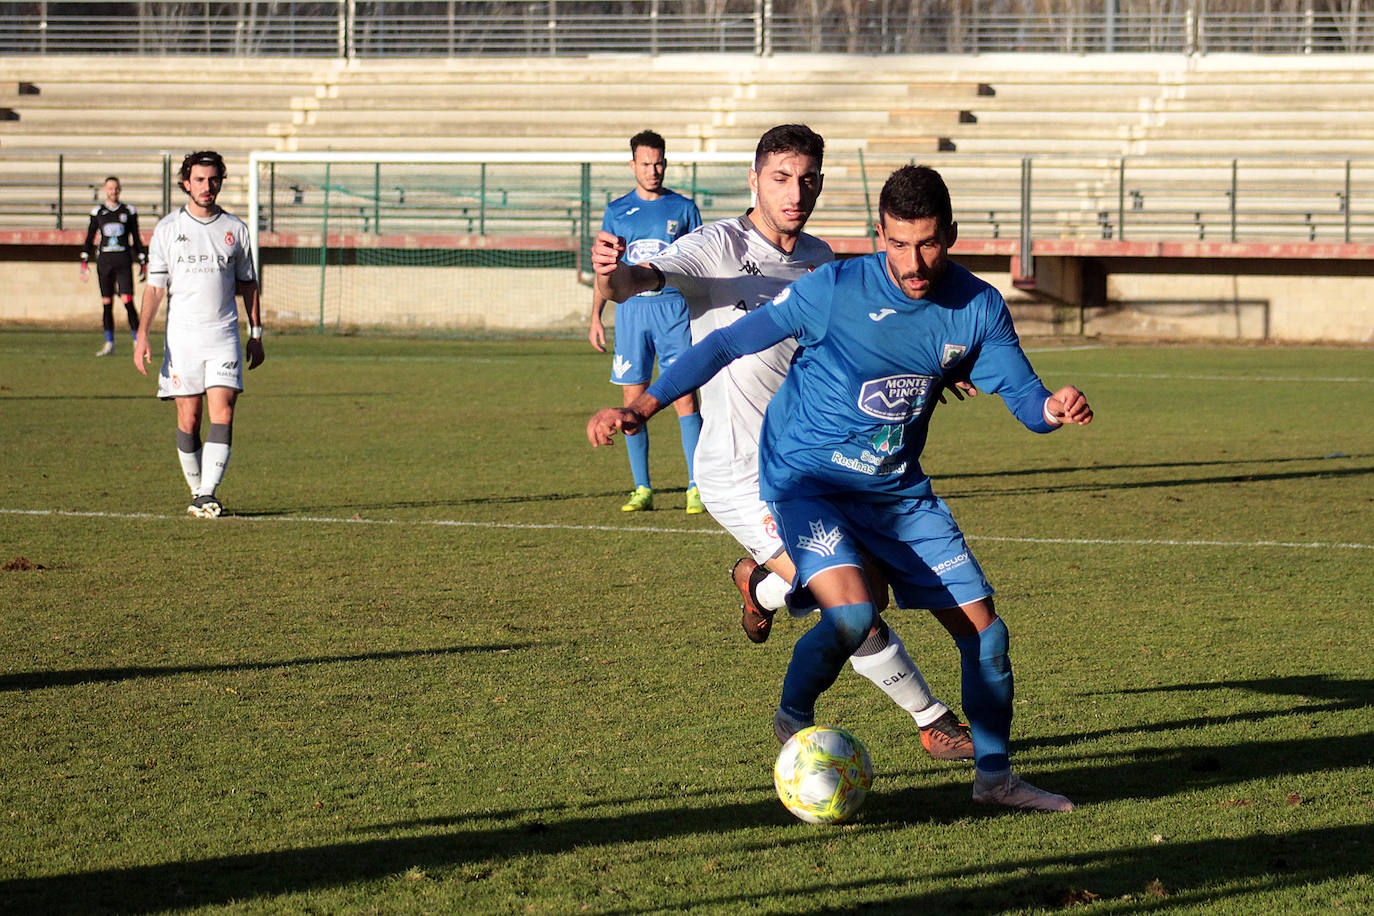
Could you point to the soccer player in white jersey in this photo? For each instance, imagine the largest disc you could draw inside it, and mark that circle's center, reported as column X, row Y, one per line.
column 200, row 262
column 725, row 270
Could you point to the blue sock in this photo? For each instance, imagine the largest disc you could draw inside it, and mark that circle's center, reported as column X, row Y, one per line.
column 637, row 446
column 109, row 336
column 819, row 656
column 691, row 432
column 987, row 694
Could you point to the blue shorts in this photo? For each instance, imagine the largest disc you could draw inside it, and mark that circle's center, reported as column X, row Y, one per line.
column 915, row 542
column 645, row 327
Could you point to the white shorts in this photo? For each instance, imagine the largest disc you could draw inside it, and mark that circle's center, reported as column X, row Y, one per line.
column 736, row 507
column 192, row 366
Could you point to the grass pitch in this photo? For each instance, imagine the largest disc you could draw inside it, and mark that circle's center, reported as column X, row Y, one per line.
column 427, row 666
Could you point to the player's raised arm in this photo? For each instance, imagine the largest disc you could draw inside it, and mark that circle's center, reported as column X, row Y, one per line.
column 615, row 279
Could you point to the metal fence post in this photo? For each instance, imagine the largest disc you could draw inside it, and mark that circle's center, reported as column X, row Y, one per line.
column 377, row 198
column 60, row 167
column 1027, row 249
column 1348, row 201
column 1235, row 192
column 868, row 204
column 324, row 244
column 1121, row 200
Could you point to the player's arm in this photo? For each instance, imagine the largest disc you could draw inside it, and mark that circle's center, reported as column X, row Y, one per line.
column 252, row 306
column 1001, row 367
column 758, row 330
column 596, row 333
column 152, row 301
column 88, row 247
column 136, row 246
column 616, row 280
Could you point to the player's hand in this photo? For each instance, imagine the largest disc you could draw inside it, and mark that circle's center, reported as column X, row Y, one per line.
column 597, row 335
column 85, row 272
column 141, row 354
column 255, row 353
column 960, row 389
column 1069, row 405
column 607, row 252
column 604, row 424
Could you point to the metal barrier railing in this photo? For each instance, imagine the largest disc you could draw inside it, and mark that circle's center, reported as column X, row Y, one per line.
column 356, row 28
column 1131, row 198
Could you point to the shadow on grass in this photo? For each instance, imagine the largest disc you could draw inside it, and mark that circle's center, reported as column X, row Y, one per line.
column 1218, row 875
column 1336, row 694
column 1146, row 465
column 38, row 680
column 1189, row 873
column 956, row 493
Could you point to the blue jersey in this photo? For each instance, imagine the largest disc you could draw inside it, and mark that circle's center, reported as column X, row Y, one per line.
column 649, row 226
column 853, row 413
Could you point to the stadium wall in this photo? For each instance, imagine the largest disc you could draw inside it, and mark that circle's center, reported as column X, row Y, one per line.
column 1283, row 299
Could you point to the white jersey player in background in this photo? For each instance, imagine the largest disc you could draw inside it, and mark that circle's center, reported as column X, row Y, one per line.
column 200, row 262
column 725, row 270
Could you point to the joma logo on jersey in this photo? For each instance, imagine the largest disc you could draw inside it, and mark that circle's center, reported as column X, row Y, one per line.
column 894, row 399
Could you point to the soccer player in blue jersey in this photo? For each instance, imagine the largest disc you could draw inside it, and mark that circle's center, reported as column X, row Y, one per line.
column 841, row 445
column 653, row 323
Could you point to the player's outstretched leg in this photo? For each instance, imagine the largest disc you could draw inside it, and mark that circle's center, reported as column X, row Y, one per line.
column 883, row 659
column 819, row 657
column 988, row 691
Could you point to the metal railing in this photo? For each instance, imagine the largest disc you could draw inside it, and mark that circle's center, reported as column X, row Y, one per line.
column 1126, row 198
column 440, row 28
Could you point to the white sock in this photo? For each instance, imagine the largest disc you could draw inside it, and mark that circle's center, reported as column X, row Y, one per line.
column 212, row 467
column 772, row 592
column 896, row 675
column 190, row 467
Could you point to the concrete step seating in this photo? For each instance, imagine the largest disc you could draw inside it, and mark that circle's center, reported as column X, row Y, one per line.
column 891, row 110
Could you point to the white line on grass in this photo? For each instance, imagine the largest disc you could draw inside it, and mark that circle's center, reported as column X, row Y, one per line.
column 454, row 523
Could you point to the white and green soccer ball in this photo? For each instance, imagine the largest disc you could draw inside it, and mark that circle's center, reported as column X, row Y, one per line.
column 823, row 774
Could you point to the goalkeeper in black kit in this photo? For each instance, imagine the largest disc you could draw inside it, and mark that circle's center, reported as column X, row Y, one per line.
column 113, row 238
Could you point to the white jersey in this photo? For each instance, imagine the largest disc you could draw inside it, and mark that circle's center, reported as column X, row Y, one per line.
column 200, row 263
column 724, row 270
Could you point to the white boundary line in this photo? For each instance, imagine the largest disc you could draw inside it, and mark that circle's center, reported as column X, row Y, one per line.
column 639, row 529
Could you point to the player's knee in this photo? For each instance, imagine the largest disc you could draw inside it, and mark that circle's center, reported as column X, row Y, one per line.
column 851, row 624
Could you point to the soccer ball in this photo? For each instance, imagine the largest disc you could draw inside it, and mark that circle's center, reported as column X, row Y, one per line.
column 823, row 774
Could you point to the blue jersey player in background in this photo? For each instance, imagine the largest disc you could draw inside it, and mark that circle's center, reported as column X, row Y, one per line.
column 841, row 445
column 654, row 323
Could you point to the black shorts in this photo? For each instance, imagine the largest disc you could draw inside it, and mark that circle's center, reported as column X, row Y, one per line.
column 115, row 274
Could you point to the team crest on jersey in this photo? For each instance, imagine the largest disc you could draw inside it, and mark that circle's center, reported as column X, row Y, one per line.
column 229, row 239
column 889, row 440
column 951, row 354
column 894, row 399
column 770, row 527
column 672, row 227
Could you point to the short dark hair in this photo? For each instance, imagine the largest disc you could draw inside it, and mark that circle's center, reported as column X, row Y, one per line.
column 916, row 192
column 789, row 138
column 648, row 138
column 111, row 178
column 203, row 157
